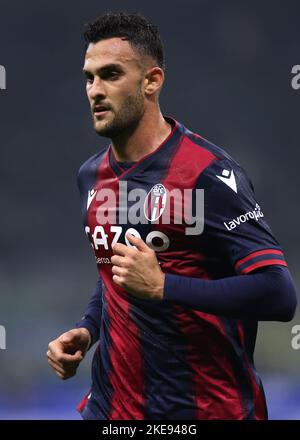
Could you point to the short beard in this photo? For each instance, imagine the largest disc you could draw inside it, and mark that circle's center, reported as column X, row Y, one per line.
column 127, row 119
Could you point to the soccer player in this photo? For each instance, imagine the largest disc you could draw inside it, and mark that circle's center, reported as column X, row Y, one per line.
column 187, row 262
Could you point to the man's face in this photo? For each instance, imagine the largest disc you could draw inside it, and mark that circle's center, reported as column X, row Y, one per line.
column 114, row 80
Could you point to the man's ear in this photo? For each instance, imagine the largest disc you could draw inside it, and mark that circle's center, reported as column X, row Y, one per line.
column 154, row 79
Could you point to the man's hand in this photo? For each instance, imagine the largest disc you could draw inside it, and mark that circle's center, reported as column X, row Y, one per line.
column 67, row 351
column 137, row 269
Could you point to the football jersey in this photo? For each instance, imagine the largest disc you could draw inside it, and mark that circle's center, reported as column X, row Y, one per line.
column 156, row 359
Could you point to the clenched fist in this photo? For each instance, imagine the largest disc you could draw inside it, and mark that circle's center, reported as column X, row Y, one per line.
column 137, row 270
column 67, row 351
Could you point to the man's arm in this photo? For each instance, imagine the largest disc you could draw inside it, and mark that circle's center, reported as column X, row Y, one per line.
column 92, row 316
column 246, row 245
column 67, row 351
column 267, row 295
column 236, row 230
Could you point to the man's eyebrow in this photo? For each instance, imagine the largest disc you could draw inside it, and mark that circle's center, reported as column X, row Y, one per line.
column 105, row 68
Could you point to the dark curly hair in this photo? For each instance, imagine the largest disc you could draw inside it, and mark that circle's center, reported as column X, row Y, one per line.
column 141, row 34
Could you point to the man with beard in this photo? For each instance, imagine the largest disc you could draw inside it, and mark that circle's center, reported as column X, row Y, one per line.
column 175, row 308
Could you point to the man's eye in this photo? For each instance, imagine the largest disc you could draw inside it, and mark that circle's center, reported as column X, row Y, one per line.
column 89, row 79
column 113, row 74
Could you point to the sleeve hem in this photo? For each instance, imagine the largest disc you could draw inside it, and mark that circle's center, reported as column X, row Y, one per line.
column 91, row 328
column 260, row 258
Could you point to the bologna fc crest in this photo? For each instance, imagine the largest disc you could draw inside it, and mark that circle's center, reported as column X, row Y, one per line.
column 155, row 202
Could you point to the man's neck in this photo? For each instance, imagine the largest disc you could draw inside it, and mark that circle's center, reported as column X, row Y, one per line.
column 151, row 131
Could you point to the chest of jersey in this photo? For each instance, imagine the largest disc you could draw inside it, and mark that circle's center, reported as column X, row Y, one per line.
column 164, row 209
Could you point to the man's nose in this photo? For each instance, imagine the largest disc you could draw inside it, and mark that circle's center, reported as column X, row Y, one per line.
column 96, row 89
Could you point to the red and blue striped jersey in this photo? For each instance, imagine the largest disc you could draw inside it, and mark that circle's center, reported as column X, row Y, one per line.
column 158, row 360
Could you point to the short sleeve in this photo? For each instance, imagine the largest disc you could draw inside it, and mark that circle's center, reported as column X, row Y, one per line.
column 234, row 223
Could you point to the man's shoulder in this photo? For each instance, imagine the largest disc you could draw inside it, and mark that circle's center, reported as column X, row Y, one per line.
column 201, row 150
column 90, row 165
column 204, row 145
column 222, row 168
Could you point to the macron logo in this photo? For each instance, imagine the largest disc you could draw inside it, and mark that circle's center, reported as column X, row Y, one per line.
column 229, row 179
column 91, row 195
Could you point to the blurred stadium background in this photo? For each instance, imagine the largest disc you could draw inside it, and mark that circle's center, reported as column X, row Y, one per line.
column 228, row 78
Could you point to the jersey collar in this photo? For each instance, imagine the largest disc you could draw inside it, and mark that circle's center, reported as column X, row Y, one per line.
column 166, row 147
